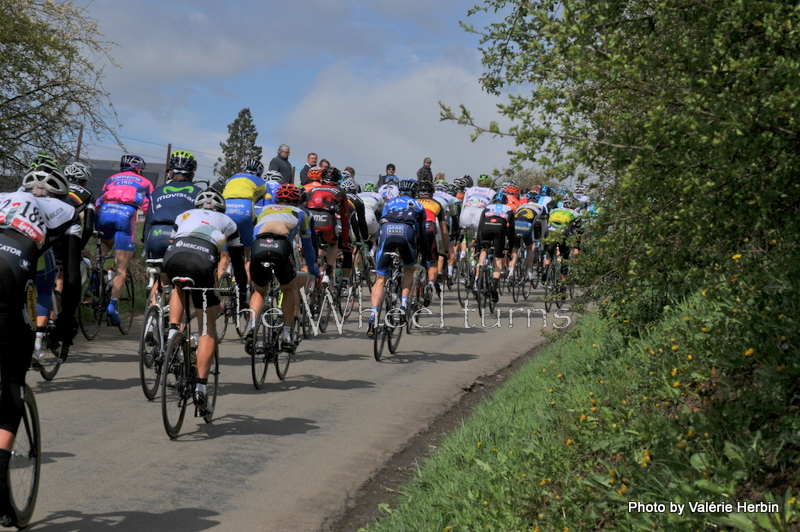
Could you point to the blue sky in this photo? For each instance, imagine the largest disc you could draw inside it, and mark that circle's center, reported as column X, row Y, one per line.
column 355, row 81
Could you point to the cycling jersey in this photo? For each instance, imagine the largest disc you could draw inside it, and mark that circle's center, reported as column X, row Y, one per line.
column 83, row 201
column 241, row 193
column 269, row 197
column 478, row 197
column 389, row 192
column 496, row 231
column 276, row 229
column 127, row 188
column 213, row 227
column 525, row 222
column 167, row 203
column 358, row 222
column 373, row 207
column 434, row 216
column 402, row 229
column 326, row 202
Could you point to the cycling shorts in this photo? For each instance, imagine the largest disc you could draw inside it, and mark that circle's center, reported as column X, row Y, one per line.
column 117, row 221
column 430, row 235
column 492, row 234
column 395, row 237
column 277, row 250
column 46, row 274
column 157, row 241
column 327, row 226
column 470, row 221
column 198, row 259
column 372, row 222
column 241, row 211
column 524, row 228
column 17, row 269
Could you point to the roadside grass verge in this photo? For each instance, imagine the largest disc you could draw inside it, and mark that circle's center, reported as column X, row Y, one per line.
column 684, row 414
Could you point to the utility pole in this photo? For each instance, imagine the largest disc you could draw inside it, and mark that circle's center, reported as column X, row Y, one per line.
column 166, row 168
column 80, row 141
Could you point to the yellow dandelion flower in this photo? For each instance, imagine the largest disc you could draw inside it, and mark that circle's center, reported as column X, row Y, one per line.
column 792, row 500
column 591, row 394
column 686, row 318
column 569, row 442
column 704, row 329
column 613, row 425
column 624, row 401
column 780, row 368
column 676, row 384
column 749, row 352
column 480, row 443
column 560, row 376
column 485, row 503
column 737, row 256
column 593, row 409
column 612, row 472
column 583, row 418
column 682, row 445
column 622, row 489
column 543, row 482
column 550, row 390
column 689, row 357
column 593, row 401
column 674, row 371
column 448, row 528
column 674, row 347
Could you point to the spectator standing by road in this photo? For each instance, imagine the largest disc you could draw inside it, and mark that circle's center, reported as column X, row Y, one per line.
column 389, row 172
column 281, row 164
column 311, row 162
column 425, row 173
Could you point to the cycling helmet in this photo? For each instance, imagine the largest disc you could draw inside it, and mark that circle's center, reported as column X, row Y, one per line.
column 288, row 193
column 568, row 203
column 253, row 166
column 273, row 175
column 545, row 190
column 349, row 184
column 182, row 162
column 460, row 182
column 345, row 175
column 564, row 191
column 370, row 187
column 452, row 190
column 77, row 173
column 47, row 182
column 441, row 186
column 408, row 187
column 485, row 181
column 536, row 189
column 46, row 161
column 315, row 173
column 512, row 188
column 210, row 199
column 130, row 161
column 425, row 189
column 500, row 197
column 468, row 181
column 332, row 176
column 392, row 180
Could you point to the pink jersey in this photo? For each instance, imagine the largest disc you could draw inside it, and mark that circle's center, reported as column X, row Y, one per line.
column 127, row 188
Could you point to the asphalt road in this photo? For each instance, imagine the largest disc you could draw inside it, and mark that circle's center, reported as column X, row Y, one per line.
column 286, row 457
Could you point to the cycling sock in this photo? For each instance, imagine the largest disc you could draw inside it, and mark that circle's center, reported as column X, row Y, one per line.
column 449, row 270
column 404, row 302
column 287, row 333
column 201, row 385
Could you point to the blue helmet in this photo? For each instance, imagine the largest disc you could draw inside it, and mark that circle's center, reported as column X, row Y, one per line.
column 408, row 187
column 392, row 180
column 131, row 161
column 500, row 197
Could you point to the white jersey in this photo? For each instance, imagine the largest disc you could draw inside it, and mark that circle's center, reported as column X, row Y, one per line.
column 478, row 197
column 34, row 216
column 372, row 201
column 546, row 202
column 211, row 226
column 389, row 192
column 535, row 207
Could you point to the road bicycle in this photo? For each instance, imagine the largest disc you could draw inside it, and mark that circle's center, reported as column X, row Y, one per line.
column 230, row 312
column 50, row 362
column 420, row 291
column 363, row 266
column 483, row 288
column 266, row 345
column 465, row 274
column 96, row 295
column 24, row 469
column 388, row 325
column 555, row 289
column 154, row 332
column 520, row 285
column 179, row 374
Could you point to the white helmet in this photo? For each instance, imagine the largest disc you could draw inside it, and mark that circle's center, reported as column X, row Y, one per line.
column 77, row 173
column 210, row 198
column 46, row 181
column 273, row 175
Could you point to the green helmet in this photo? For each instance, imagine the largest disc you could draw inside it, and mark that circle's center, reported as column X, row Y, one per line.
column 485, row 181
column 370, row 187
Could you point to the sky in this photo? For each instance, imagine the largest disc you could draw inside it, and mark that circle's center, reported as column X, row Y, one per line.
column 357, row 82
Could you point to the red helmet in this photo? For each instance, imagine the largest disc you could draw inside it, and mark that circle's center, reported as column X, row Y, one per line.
column 513, row 190
column 288, row 193
column 315, row 173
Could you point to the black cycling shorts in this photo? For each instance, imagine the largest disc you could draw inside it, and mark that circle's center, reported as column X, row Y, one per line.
column 492, row 234
column 277, row 250
column 198, row 259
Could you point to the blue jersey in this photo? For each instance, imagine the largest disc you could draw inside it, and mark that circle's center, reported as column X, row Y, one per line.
column 404, row 209
column 169, row 201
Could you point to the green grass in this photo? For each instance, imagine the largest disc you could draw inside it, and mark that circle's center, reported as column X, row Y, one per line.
column 594, row 422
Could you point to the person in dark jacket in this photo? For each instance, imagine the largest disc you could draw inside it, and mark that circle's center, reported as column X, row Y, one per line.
column 425, row 173
column 281, row 164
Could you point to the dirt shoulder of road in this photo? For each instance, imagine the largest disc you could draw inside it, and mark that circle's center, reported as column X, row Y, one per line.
column 362, row 509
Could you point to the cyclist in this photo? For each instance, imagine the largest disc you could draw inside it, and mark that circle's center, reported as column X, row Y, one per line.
column 358, row 225
column 513, row 194
column 373, row 207
column 32, row 220
column 198, row 239
column 452, row 208
column 314, row 178
column 169, row 201
column 241, row 193
column 495, row 235
column 476, row 199
column 525, row 226
column 276, row 228
column 389, row 190
column 563, row 222
column 331, row 210
column 402, row 230
column 272, row 180
column 435, row 229
column 122, row 194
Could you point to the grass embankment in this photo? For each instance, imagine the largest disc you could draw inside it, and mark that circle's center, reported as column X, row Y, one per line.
column 595, row 422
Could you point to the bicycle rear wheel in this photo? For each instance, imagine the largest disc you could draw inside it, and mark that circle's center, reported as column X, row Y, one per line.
column 537, row 273
column 90, row 313
column 126, row 306
column 175, row 391
column 550, row 287
column 462, row 281
column 151, row 355
column 381, row 333
column 49, row 364
column 325, row 308
column 225, row 300
column 212, row 386
column 395, row 325
column 26, row 460
column 262, row 344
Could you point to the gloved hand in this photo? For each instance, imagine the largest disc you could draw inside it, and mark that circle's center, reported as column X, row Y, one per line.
column 314, row 270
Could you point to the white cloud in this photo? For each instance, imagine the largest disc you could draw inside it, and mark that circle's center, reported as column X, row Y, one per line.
column 366, row 122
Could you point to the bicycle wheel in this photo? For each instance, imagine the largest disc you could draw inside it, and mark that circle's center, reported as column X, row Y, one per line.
column 213, row 384
column 126, row 306
column 382, row 335
column 49, row 363
column 488, row 283
column 90, row 313
column 550, row 287
column 150, row 352
column 283, row 358
column 243, row 316
column 515, row 284
column 176, row 389
column 349, row 298
column 26, row 461
column 325, row 308
column 369, row 273
column 304, row 317
column 394, row 324
column 262, row 345
column 561, row 287
column 225, row 307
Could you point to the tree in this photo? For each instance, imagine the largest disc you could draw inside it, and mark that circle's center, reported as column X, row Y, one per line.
column 240, row 146
column 49, row 82
column 686, row 110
